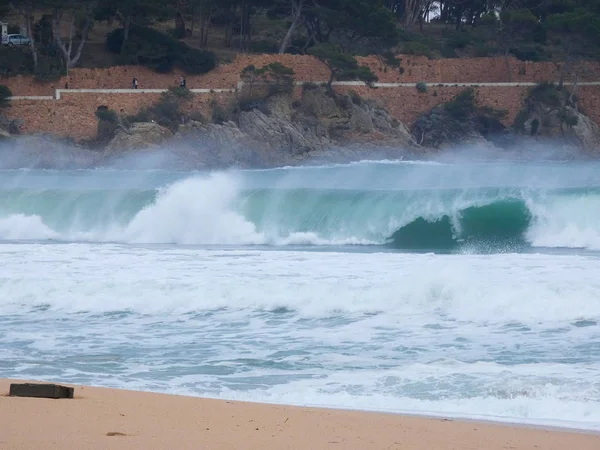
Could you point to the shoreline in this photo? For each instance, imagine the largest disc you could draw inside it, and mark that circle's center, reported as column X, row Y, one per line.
column 114, row 418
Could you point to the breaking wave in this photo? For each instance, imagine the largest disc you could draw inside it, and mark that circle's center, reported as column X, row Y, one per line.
column 218, row 209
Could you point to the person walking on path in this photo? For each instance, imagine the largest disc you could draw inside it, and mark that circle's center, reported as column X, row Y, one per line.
column 134, row 83
column 182, row 82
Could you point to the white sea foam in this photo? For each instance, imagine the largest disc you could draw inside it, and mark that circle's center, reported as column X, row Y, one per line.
column 509, row 337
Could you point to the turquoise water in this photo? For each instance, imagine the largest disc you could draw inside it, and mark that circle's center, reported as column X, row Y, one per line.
column 466, row 290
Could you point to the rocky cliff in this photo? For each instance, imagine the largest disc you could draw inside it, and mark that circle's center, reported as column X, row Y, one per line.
column 549, row 115
column 276, row 130
column 553, row 113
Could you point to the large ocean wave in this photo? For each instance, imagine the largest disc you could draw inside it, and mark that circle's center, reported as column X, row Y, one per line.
column 221, row 209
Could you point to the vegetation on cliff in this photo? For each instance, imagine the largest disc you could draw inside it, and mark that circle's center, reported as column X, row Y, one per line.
column 187, row 33
column 5, row 95
column 460, row 120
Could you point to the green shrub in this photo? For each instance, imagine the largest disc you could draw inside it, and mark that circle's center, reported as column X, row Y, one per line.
column 180, row 92
column 457, row 38
column 219, row 114
column 106, row 115
column 390, row 59
column 417, row 49
column 277, row 77
column 309, row 86
column 158, row 51
column 483, row 50
column 5, row 94
column 421, row 87
column 461, row 106
column 263, row 46
column 417, row 44
column 528, row 53
column 14, row 61
column 197, row 116
column 362, row 73
column 546, row 93
column 498, row 114
column 167, row 112
column 143, row 115
column 448, row 52
column 50, row 68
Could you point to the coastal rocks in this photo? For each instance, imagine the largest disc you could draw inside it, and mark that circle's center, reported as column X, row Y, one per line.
column 460, row 122
column 279, row 131
column 139, row 136
column 9, row 127
column 274, row 130
column 217, row 145
column 282, row 128
column 551, row 113
column 439, row 130
column 587, row 131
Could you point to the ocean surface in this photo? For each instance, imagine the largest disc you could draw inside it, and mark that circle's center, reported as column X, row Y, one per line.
column 456, row 289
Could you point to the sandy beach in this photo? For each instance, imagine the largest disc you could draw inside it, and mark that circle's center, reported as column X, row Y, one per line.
column 99, row 418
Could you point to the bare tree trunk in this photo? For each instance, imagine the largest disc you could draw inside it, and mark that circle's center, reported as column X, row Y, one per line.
column 67, row 49
column 245, row 32
column 179, row 19
column 297, row 6
column 412, row 10
column 126, row 28
column 229, row 29
column 34, row 55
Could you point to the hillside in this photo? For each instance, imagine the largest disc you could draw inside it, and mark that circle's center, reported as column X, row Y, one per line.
column 389, row 72
column 172, row 34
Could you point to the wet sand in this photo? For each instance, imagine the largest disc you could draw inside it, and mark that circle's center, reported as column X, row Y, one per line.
column 99, row 418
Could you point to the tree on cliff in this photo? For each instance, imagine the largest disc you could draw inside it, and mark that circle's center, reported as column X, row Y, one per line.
column 513, row 27
column 203, row 11
column 342, row 67
column 4, row 8
column 296, row 9
column 578, row 25
column 353, row 25
column 26, row 9
column 79, row 16
column 128, row 12
column 5, row 95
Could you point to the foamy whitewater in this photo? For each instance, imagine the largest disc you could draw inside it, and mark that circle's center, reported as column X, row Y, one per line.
column 464, row 290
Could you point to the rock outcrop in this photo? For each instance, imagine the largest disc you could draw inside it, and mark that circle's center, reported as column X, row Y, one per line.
column 139, row 136
column 9, row 127
column 279, row 131
column 273, row 131
column 460, row 122
column 552, row 113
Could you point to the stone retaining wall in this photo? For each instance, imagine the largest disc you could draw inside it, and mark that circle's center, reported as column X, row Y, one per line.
column 73, row 115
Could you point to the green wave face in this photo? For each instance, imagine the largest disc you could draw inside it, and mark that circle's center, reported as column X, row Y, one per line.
column 207, row 209
column 498, row 226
